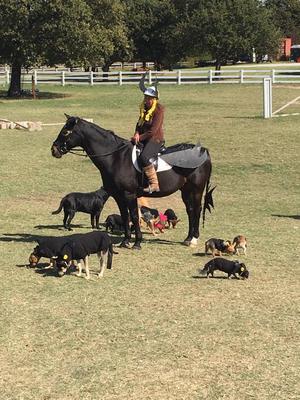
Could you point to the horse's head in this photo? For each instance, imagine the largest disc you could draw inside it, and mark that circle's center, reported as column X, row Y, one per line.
column 68, row 138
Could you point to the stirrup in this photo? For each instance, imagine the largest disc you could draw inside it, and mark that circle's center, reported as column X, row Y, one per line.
column 149, row 190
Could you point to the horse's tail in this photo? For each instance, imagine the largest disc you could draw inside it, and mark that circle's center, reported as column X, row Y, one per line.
column 59, row 208
column 208, row 199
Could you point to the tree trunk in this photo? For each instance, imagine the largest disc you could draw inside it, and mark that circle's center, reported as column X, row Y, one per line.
column 105, row 68
column 15, row 80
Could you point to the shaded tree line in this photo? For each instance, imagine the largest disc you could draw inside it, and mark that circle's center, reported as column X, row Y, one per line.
column 92, row 33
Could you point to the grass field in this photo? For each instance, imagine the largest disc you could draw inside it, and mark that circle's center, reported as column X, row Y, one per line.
column 151, row 328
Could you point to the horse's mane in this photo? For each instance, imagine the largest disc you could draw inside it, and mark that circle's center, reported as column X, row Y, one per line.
column 106, row 132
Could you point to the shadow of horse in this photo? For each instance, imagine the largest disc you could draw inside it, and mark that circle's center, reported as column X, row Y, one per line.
column 60, row 227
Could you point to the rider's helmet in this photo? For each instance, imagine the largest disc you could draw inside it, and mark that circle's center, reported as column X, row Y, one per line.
column 152, row 92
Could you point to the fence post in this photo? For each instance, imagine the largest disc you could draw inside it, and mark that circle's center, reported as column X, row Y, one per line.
column 273, row 75
column 179, row 77
column 63, row 78
column 120, row 78
column 242, row 76
column 35, row 77
column 267, row 82
column 150, row 77
column 210, row 76
column 91, row 78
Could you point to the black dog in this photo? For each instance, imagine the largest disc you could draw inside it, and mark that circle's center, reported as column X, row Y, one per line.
column 48, row 247
column 80, row 247
column 230, row 267
column 90, row 203
column 114, row 223
column 171, row 218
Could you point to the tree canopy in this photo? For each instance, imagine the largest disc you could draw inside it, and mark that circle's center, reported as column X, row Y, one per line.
column 226, row 29
column 93, row 33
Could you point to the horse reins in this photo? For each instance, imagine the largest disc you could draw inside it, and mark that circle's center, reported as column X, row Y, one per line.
column 75, row 151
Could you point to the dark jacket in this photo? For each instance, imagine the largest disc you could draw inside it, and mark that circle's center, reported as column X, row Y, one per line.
column 153, row 130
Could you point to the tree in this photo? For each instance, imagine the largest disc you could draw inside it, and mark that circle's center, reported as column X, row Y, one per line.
column 150, row 24
column 286, row 16
column 39, row 31
column 229, row 28
column 110, row 33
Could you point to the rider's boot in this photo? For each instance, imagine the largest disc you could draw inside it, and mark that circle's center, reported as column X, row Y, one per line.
column 152, row 178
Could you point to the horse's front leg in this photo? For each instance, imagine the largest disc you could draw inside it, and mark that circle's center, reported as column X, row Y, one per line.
column 134, row 214
column 125, row 218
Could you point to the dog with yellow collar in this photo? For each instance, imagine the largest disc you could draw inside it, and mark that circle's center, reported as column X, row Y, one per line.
column 232, row 268
column 81, row 247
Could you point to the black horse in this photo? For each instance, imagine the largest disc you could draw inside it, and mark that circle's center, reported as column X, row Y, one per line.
column 111, row 154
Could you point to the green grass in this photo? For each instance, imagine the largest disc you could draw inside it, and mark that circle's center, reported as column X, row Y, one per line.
column 151, row 329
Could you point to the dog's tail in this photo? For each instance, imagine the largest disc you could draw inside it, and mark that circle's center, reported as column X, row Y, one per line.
column 59, row 208
column 208, row 200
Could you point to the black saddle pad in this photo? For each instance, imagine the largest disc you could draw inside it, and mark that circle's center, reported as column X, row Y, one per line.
column 185, row 155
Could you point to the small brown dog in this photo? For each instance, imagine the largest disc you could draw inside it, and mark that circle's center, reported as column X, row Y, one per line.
column 240, row 242
column 219, row 246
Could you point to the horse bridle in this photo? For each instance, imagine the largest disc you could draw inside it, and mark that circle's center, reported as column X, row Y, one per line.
column 63, row 149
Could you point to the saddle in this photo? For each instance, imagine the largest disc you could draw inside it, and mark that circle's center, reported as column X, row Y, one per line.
column 183, row 155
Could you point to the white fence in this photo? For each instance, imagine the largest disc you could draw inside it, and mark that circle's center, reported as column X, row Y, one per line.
column 179, row 77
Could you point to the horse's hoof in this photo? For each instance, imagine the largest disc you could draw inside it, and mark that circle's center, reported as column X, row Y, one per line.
column 191, row 242
column 136, row 247
column 125, row 244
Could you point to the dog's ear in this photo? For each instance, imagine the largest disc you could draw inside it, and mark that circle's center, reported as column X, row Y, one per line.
column 67, row 116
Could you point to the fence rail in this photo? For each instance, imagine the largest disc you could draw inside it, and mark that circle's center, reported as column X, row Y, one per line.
column 179, row 77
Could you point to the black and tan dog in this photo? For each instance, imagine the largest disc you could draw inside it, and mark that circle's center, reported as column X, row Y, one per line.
column 219, row 246
column 240, row 242
column 114, row 223
column 230, row 267
column 48, row 247
column 79, row 249
column 172, row 218
column 150, row 216
column 90, row 203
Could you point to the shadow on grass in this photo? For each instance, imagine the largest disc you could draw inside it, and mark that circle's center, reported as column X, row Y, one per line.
column 213, row 277
column 39, row 96
column 199, row 254
column 255, row 117
column 162, row 241
column 58, row 227
column 286, row 216
column 29, row 238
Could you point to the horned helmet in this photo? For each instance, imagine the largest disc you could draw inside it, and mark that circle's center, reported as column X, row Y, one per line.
column 151, row 91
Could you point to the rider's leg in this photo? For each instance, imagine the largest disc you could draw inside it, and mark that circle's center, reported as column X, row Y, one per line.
column 150, row 152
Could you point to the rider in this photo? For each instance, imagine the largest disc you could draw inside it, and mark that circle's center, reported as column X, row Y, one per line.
column 149, row 132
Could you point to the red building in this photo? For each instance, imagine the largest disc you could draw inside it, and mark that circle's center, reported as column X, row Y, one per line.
column 285, row 49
